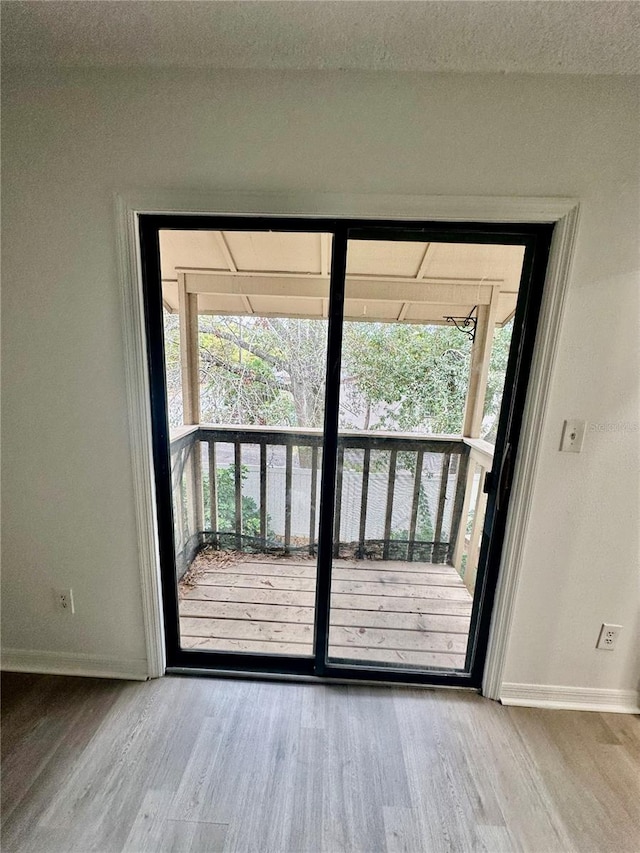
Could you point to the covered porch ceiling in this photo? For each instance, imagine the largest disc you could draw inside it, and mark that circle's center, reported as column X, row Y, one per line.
column 286, row 274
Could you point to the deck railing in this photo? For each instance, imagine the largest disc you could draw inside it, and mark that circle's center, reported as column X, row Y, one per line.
column 398, row 496
column 466, row 552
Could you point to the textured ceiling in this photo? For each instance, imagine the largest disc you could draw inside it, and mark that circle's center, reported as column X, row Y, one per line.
column 525, row 36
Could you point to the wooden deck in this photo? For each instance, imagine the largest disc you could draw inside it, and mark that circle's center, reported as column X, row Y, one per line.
column 396, row 613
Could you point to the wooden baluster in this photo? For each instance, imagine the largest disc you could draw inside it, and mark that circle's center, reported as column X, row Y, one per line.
column 366, row 464
column 287, row 500
column 213, row 490
column 238, row 492
column 476, row 535
column 190, row 493
column 461, row 538
column 338, row 504
column 178, row 507
column 197, row 489
column 458, row 503
column 389, row 509
column 414, row 505
column 444, row 480
column 263, row 496
column 312, row 507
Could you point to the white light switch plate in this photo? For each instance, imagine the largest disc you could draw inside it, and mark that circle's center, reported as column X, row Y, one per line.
column 573, row 436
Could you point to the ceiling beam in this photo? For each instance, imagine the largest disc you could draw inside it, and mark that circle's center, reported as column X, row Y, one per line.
column 388, row 290
column 423, row 263
column 226, row 251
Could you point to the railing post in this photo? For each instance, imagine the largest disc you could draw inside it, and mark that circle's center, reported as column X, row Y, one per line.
column 479, row 367
column 460, row 541
column 189, row 352
column 474, row 541
column 457, row 517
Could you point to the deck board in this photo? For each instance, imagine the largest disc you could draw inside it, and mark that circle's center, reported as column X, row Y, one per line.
column 394, row 613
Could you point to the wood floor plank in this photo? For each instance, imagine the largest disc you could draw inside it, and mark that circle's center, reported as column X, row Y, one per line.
column 267, row 607
column 401, row 590
column 398, row 565
column 301, row 768
column 290, row 570
column 305, row 615
column 364, row 572
column 396, row 604
column 389, row 576
column 243, row 629
column 250, row 596
column 386, row 604
column 251, row 581
column 397, row 639
column 216, row 644
column 398, row 658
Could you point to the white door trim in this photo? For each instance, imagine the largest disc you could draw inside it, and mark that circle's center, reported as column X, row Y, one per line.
column 561, row 211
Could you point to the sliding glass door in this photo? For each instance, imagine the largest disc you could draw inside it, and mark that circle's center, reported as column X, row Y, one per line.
column 331, row 403
column 426, row 334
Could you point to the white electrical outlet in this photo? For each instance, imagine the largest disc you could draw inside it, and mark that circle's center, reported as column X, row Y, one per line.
column 573, row 436
column 608, row 636
column 64, row 600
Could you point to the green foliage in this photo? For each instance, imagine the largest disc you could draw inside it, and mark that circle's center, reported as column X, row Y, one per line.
column 405, row 377
column 258, row 370
column 172, row 368
column 225, row 485
column 424, row 523
column 396, row 377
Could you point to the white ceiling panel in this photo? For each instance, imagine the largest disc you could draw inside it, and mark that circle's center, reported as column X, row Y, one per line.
column 384, row 258
column 201, row 249
column 272, row 251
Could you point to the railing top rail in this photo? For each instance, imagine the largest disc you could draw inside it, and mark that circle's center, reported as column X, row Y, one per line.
column 481, row 450
column 181, row 435
column 318, row 431
column 311, row 437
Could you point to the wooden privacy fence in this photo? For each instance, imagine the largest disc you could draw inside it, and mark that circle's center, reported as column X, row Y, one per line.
column 398, row 496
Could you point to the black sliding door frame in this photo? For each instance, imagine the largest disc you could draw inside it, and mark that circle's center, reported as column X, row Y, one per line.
column 536, row 240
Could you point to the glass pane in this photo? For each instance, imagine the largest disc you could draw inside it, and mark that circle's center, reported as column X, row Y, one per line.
column 245, row 355
column 409, row 502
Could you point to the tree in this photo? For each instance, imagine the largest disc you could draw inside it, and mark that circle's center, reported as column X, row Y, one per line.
column 405, row 377
column 263, row 370
column 397, row 377
column 172, row 368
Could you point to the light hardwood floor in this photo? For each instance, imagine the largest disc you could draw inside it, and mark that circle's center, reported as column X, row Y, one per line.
column 397, row 613
column 203, row 764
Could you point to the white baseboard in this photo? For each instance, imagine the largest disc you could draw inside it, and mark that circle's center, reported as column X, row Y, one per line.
column 60, row 663
column 570, row 698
